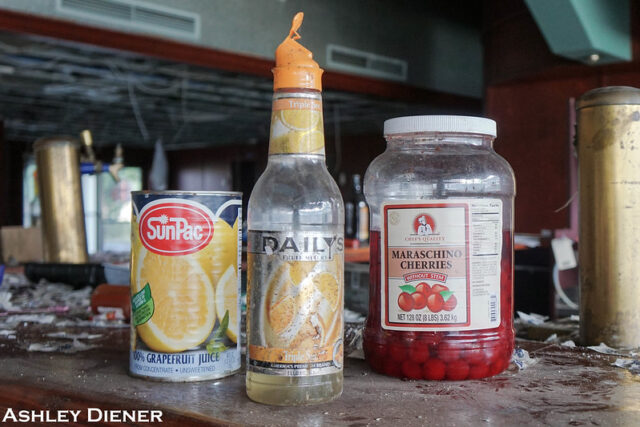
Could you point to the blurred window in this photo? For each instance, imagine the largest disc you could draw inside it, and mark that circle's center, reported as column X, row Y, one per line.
column 107, row 209
column 107, row 206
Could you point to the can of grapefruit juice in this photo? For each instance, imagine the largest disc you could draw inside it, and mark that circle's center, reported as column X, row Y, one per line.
column 185, row 283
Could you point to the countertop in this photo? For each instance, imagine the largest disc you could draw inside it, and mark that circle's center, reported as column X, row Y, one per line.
column 567, row 386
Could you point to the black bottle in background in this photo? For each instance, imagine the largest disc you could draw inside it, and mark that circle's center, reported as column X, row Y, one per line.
column 349, row 208
column 361, row 211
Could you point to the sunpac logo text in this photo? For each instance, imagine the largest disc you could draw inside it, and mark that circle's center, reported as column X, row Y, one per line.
column 175, row 226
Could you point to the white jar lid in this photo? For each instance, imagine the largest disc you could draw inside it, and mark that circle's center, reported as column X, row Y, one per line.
column 462, row 124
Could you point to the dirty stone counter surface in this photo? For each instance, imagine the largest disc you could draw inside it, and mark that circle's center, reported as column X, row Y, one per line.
column 567, row 386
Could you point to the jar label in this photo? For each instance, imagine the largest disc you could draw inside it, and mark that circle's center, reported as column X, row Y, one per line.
column 296, row 126
column 440, row 266
column 295, row 296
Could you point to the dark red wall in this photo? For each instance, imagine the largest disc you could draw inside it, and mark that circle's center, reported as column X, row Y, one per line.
column 528, row 93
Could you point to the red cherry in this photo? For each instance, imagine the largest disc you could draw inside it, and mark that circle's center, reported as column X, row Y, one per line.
column 431, row 337
column 411, row 370
column 397, row 352
column 375, row 361
column 473, row 355
column 419, row 352
column 405, row 302
column 457, row 370
column 450, row 304
column 419, row 300
column 478, row 371
column 437, row 288
column 492, row 353
column 434, row 369
column 406, row 336
column 392, row 368
column 423, row 288
column 448, row 351
column 373, row 349
column 498, row 366
column 435, row 302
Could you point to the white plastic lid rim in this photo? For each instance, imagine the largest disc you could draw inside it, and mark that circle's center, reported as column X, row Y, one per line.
column 441, row 124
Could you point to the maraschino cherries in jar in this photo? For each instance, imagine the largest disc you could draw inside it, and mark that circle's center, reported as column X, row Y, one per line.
column 441, row 272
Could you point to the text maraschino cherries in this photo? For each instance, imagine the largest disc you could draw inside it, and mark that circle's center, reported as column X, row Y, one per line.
column 441, row 204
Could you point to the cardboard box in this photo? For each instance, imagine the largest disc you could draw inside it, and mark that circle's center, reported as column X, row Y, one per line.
column 21, row 244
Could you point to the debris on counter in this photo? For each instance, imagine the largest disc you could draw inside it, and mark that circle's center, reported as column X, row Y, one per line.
column 9, row 334
column 49, row 303
column 67, row 335
column 14, row 280
column 67, row 347
column 537, row 327
column 522, row 359
column 532, row 318
column 568, row 343
column 29, row 318
column 605, row 349
column 351, row 316
column 5, row 301
column 632, row 365
column 55, row 310
column 108, row 313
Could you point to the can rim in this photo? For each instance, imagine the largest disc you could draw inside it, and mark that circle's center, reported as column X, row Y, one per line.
column 186, row 193
column 609, row 95
column 51, row 141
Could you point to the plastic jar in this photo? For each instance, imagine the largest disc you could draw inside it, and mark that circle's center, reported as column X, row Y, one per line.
column 441, row 202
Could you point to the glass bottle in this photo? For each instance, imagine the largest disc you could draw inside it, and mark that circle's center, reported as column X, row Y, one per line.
column 295, row 248
column 361, row 215
column 441, row 271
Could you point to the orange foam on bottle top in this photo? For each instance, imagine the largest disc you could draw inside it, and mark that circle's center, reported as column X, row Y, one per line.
column 295, row 67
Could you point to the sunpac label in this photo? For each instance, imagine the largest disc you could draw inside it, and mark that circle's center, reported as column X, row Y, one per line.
column 185, row 283
column 295, row 296
column 440, row 266
column 175, row 226
column 296, row 126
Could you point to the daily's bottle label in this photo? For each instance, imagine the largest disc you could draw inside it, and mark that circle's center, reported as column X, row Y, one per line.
column 440, row 266
column 295, row 295
column 296, row 126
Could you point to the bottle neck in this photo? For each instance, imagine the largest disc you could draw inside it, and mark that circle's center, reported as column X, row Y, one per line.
column 296, row 123
column 438, row 140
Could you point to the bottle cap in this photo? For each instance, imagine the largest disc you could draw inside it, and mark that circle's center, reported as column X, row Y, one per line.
column 295, row 67
column 461, row 124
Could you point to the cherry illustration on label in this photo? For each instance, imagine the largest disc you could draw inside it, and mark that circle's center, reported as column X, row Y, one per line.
column 436, row 298
column 423, row 288
column 419, row 300
column 405, row 301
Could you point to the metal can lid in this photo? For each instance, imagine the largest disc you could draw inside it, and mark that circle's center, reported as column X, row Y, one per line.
column 440, row 124
column 186, row 193
column 609, row 95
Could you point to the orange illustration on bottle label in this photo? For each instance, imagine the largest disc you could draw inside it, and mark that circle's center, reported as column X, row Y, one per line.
column 296, row 316
column 297, row 127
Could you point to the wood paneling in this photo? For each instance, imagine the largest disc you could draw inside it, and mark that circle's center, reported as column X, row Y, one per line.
column 528, row 93
column 533, row 135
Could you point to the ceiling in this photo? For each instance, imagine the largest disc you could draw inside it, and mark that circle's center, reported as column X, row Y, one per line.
column 49, row 87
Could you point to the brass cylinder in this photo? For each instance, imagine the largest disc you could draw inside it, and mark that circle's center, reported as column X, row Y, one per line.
column 58, row 164
column 608, row 140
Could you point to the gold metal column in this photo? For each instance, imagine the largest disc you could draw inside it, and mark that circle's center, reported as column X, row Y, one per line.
column 608, row 138
column 58, row 163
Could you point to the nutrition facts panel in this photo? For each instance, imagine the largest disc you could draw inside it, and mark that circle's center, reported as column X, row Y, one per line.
column 486, row 226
